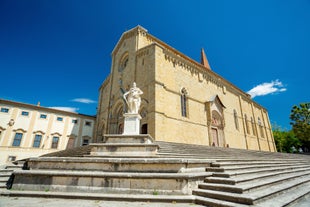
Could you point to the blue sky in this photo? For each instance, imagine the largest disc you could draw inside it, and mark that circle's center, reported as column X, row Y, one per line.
column 58, row 52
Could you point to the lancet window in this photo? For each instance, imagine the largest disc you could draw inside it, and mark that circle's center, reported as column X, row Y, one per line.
column 184, row 100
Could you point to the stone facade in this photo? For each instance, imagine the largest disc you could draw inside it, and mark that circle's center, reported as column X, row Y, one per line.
column 183, row 101
column 29, row 130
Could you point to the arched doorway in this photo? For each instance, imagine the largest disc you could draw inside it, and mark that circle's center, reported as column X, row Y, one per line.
column 217, row 132
column 216, row 122
column 116, row 121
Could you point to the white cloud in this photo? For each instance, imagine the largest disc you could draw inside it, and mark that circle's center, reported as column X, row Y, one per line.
column 63, row 108
column 267, row 88
column 83, row 100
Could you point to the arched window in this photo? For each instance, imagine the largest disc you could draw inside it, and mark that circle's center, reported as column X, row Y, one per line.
column 123, row 62
column 184, row 110
column 246, row 124
column 236, row 119
column 120, row 121
column 261, row 128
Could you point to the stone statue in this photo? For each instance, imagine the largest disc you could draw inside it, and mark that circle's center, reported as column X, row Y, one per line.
column 133, row 100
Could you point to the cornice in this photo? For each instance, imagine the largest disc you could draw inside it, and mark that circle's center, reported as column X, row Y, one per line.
column 45, row 109
column 194, row 67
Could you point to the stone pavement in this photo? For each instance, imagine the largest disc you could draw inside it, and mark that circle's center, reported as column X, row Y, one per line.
column 56, row 202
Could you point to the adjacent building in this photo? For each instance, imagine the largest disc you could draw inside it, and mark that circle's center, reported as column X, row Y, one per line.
column 31, row 130
column 183, row 101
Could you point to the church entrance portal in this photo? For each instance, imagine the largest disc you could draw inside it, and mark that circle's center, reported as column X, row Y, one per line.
column 217, row 130
column 214, row 137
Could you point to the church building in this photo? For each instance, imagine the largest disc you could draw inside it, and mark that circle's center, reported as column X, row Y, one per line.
column 183, row 100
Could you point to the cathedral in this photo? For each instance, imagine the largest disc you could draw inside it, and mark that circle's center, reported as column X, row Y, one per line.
column 183, row 101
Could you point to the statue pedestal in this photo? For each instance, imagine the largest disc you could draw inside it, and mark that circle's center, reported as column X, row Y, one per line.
column 119, row 145
column 131, row 124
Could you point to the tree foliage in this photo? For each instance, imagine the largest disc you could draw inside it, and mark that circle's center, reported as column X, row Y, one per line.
column 300, row 121
column 285, row 141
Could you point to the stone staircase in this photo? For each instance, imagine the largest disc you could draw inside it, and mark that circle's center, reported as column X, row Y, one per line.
column 6, row 172
column 4, row 177
column 209, row 176
column 247, row 178
column 258, row 183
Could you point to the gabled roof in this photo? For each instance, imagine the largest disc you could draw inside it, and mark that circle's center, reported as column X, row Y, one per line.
column 126, row 34
column 217, row 98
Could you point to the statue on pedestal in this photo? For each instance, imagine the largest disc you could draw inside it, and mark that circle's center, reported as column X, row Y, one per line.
column 133, row 99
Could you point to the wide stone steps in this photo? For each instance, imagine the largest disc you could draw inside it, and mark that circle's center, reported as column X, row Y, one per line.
column 222, row 176
column 254, row 166
column 243, row 172
column 252, row 162
column 285, row 198
column 253, row 197
column 245, row 182
column 254, row 184
column 254, row 176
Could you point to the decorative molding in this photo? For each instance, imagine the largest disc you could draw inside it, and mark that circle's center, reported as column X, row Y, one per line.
column 19, row 130
column 86, row 137
column 39, row 132
column 42, row 109
column 56, row 134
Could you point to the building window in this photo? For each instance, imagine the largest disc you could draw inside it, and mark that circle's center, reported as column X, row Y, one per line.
column 85, row 141
column 123, row 63
column 59, row 118
column 236, row 120
column 55, row 142
column 184, row 110
column 25, row 113
column 261, row 128
column 17, row 139
column 5, row 110
column 11, row 158
column 253, row 126
column 87, row 123
column 74, row 121
column 246, row 124
column 43, row 116
column 37, row 141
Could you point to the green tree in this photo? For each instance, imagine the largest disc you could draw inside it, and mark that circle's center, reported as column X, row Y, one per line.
column 285, row 141
column 300, row 121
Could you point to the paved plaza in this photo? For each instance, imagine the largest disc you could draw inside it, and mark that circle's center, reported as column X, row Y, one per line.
column 56, row 202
